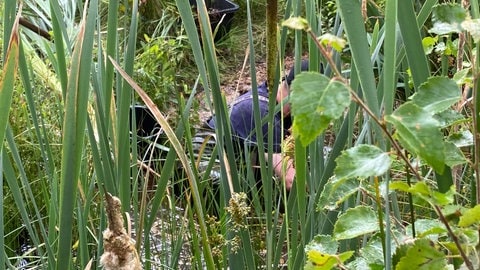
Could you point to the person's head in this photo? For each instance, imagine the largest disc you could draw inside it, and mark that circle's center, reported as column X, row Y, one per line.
column 284, row 87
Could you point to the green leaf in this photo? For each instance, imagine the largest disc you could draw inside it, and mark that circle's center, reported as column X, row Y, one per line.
column 419, row 133
column 429, row 43
column 400, row 252
column 398, row 185
column 372, row 252
column 362, row 161
column 473, row 28
column 437, row 94
column 462, row 139
column 470, row 217
column 323, row 244
column 355, row 222
column 337, row 191
column 321, row 261
column 440, row 198
column 321, row 253
column 7, row 79
column 359, row 263
column 422, row 256
column 296, row 23
column 447, row 18
column 463, row 76
column 422, row 190
column 335, row 42
column 316, row 100
column 424, row 227
column 453, row 155
column 449, row 117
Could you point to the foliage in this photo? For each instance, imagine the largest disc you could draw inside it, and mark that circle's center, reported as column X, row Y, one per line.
column 419, row 126
column 156, row 67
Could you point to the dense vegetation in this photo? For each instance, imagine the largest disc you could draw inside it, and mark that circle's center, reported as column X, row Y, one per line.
column 385, row 143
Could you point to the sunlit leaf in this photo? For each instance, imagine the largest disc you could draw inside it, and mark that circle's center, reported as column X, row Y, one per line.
column 472, row 26
column 447, row 18
column 419, row 133
column 355, row 222
column 422, row 190
column 437, row 94
column 422, row 255
column 362, row 161
column 398, row 185
column 470, row 217
column 316, row 100
column 337, row 191
column 296, row 23
column 331, row 40
column 323, row 244
column 317, row 260
column 444, row 198
column 429, row 43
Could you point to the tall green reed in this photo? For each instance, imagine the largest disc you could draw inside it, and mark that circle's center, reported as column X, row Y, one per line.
column 99, row 152
column 377, row 60
column 67, row 210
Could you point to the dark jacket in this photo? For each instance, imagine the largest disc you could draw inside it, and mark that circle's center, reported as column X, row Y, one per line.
column 243, row 122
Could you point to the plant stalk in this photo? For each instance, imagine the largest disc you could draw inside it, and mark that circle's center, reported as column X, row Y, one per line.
column 271, row 14
column 468, row 263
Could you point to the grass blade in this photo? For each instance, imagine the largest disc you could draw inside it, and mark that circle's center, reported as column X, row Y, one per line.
column 76, row 99
column 183, row 158
column 8, row 79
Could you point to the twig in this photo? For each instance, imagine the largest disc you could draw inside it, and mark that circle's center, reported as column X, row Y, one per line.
column 468, row 263
column 41, row 32
column 360, row 102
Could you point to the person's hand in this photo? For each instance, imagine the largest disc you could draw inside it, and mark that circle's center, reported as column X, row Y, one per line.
column 282, row 93
column 284, row 169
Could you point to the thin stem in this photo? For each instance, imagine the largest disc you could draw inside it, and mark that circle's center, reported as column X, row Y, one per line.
column 410, row 201
column 380, row 214
column 356, row 98
column 468, row 263
column 325, row 54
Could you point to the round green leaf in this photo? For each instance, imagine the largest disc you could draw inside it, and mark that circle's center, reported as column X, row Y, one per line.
column 355, row 222
column 437, row 94
column 447, row 18
column 372, row 252
column 362, row 161
column 324, row 244
column 419, row 133
column 453, row 155
column 315, row 101
column 470, row 217
column 296, row 23
column 449, row 117
column 422, row 255
column 337, row 191
column 335, row 42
